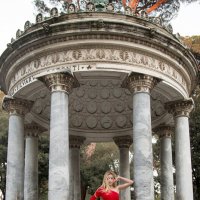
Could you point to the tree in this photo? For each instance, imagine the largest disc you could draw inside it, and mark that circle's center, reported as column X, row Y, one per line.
column 43, row 166
column 3, row 145
column 95, row 162
column 195, row 145
column 3, row 158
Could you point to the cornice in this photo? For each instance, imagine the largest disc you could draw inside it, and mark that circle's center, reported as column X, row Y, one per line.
column 89, row 30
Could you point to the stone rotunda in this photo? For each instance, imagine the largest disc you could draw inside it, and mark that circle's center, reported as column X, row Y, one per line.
column 97, row 76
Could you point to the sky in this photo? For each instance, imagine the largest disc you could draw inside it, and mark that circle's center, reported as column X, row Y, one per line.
column 14, row 14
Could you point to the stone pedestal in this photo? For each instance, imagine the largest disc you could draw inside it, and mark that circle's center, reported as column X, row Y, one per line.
column 140, row 85
column 167, row 185
column 124, row 143
column 31, row 162
column 15, row 154
column 180, row 110
column 60, row 84
column 75, row 179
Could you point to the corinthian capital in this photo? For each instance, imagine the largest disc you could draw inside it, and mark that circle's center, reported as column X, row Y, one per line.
column 16, row 106
column 75, row 141
column 33, row 130
column 60, row 81
column 123, row 141
column 180, row 107
column 136, row 82
column 164, row 131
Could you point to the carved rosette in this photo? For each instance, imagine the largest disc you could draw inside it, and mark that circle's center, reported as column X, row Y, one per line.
column 76, row 141
column 33, row 130
column 136, row 82
column 123, row 141
column 62, row 81
column 164, row 131
column 16, row 105
column 180, row 107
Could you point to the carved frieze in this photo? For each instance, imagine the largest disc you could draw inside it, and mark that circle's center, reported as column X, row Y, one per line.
column 64, row 60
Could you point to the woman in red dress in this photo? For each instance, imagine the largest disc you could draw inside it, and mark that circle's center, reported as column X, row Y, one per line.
column 109, row 190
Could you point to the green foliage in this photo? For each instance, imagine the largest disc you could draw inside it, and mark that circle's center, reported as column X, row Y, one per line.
column 3, row 118
column 3, row 158
column 193, row 43
column 43, row 166
column 93, row 168
column 195, row 146
column 3, row 145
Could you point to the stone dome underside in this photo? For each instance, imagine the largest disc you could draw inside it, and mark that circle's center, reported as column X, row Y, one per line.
column 98, row 105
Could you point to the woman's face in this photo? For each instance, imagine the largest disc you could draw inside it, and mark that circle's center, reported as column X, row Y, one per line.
column 110, row 179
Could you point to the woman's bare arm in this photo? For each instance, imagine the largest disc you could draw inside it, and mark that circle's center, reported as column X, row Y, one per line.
column 127, row 182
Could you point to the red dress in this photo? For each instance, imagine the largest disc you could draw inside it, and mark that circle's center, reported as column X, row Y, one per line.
column 110, row 195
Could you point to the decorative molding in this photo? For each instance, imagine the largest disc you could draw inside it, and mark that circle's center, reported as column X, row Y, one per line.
column 16, row 105
column 39, row 18
column 76, row 141
column 123, row 141
column 54, row 12
column 180, row 107
column 63, row 61
column 136, row 82
column 90, row 7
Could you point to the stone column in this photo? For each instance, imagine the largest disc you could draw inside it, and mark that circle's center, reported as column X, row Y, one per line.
column 17, row 109
column 140, row 86
column 124, row 142
column 167, row 185
column 75, row 177
column 60, row 85
column 31, row 162
column 181, row 110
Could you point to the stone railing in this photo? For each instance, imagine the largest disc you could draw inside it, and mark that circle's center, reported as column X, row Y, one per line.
column 115, row 8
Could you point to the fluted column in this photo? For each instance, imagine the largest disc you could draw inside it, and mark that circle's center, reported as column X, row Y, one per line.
column 75, row 178
column 31, row 161
column 17, row 109
column 60, row 85
column 124, row 142
column 140, row 86
column 181, row 110
column 167, row 185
